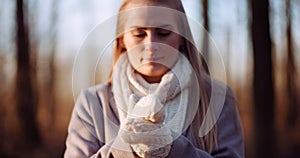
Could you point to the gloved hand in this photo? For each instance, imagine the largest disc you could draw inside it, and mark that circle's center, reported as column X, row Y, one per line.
column 148, row 139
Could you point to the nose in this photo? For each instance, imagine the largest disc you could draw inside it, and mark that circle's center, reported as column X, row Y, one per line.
column 151, row 42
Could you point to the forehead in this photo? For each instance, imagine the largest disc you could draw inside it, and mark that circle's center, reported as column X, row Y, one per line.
column 150, row 16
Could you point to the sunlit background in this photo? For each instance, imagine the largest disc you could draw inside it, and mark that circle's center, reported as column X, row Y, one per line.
column 57, row 29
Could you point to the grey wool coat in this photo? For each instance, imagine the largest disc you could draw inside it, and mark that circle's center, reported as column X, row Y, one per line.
column 94, row 125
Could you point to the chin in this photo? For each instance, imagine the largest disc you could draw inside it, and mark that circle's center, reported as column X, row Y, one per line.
column 153, row 72
column 153, row 69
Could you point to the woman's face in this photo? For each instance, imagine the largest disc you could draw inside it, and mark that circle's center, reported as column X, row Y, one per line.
column 151, row 42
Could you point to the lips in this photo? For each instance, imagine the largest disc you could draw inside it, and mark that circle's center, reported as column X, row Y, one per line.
column 155, row 59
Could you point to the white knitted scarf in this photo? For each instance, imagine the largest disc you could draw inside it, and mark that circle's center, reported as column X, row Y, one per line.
column 163, row 104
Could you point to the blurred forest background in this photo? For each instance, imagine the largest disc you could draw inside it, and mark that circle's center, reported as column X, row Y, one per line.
column 257, row 39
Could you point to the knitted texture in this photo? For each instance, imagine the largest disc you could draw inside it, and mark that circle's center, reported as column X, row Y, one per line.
column 147, row 139
column 148, row 111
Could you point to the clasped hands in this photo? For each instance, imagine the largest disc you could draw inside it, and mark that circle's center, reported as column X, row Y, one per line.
column 147, row 134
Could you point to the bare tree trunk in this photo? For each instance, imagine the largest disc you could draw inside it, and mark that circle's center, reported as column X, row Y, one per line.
column 264, row 108
column 205, row 40
column 291, row 71
column 3, row 82
column 293, row 104
column 52, row 75
column 25, row 99
column 2, row 105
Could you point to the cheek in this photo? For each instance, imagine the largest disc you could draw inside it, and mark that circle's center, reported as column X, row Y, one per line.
column 172, row 51
column 175, row 42
column 134, row 58
column 171, row 60
column 128, row 42
column 132, row 52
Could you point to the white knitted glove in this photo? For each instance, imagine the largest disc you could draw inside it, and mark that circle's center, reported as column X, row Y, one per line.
column 147, row 139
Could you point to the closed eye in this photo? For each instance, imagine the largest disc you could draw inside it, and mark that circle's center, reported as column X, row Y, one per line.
column 138, row 33
column 163, row 32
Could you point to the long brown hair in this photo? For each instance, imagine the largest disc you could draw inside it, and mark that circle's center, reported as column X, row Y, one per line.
column 188, row 48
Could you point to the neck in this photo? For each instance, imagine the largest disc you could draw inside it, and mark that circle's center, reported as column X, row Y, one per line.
column 152, row 79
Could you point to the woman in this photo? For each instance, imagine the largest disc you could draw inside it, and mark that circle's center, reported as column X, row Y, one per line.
column 157, row 101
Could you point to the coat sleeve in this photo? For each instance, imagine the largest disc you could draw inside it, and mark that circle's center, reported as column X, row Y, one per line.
column 230, row 136
column 230, row 132
column 82, row 140
column 183, row 147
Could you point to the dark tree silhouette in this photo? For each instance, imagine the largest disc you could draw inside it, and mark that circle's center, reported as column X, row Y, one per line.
column 25, row 99
column 52, row 73
column 290, row 70
column 205, row 38
column 2, row 109
column 264, row 131
column 2, row 80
